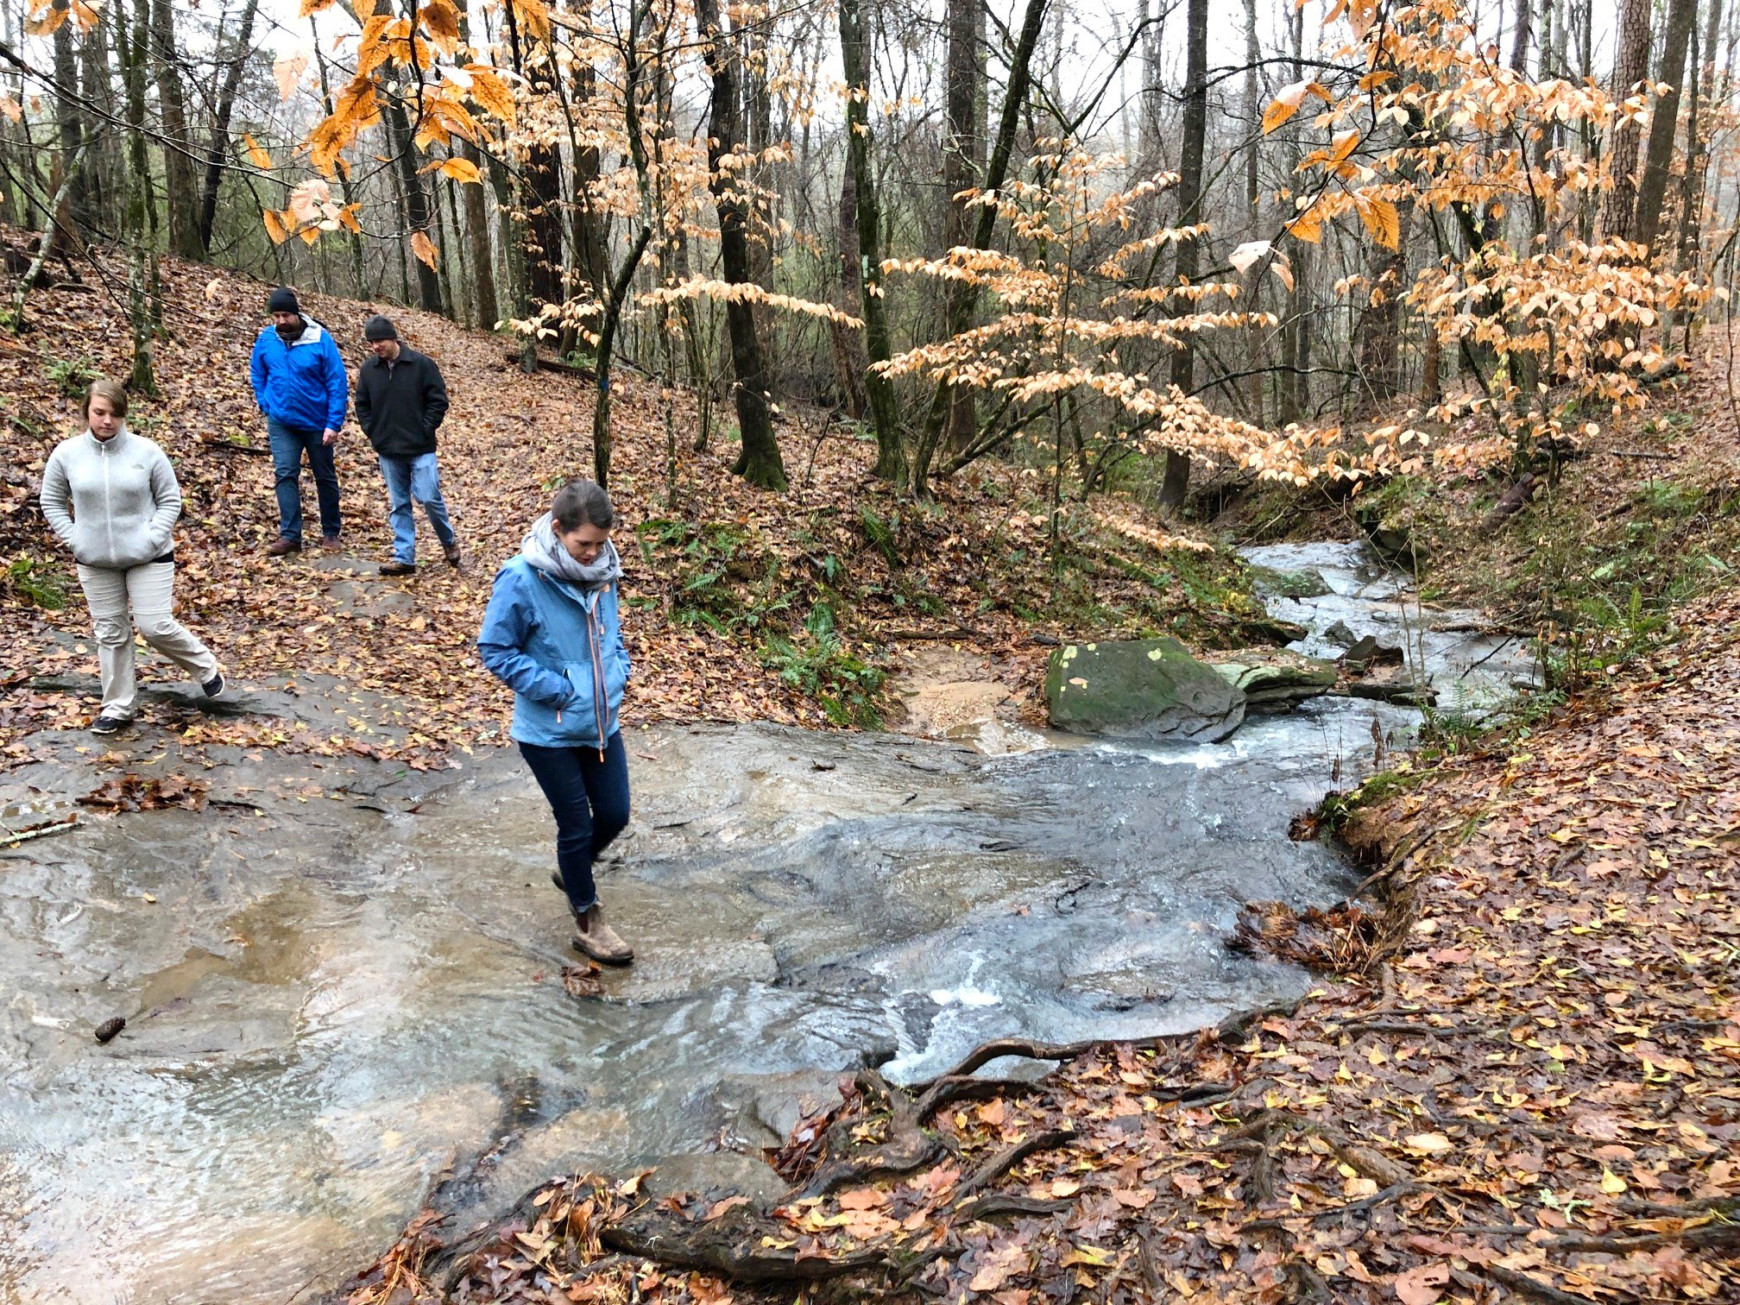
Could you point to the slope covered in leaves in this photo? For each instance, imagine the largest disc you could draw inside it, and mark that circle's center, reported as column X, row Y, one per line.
column 740, row 604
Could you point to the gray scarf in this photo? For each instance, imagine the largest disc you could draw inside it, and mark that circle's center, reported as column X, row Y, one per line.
column 544, row 551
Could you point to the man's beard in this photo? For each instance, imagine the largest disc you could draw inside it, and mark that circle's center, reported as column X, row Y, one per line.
column 289, row 333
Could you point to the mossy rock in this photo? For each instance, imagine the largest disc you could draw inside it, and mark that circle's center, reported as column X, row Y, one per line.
column 1141, row 689
column 1290, row 584
column 1276, row 679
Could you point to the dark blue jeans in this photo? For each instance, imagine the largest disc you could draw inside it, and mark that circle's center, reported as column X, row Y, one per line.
column 288, row 445
column 589, row 797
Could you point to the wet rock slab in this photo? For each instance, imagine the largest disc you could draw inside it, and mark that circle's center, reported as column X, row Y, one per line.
column 353, row 998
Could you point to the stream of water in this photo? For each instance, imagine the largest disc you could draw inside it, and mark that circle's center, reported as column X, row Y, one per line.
column 336, row 1004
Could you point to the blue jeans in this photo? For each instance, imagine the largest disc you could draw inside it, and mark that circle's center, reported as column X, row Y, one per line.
column 288, row 445
column 589, row 796
column 408, row 479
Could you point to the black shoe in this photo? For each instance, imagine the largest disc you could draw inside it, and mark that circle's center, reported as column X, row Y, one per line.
column 214, row 686
column 398, row 568
column 556, row 878
column 109, row 724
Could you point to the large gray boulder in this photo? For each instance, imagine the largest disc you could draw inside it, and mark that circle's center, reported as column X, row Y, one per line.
column 1274, row 679
column 1140, row 689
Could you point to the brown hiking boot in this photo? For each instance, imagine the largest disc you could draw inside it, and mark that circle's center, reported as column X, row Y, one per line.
column 396, row 567
column 598, row 940
column 331, row 544
column 281, row 545
column 451, row 553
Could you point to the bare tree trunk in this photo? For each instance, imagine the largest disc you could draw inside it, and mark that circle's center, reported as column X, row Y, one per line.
column 759, row 462
column 132, row 53
column 178, row 183
column 1519, row 46
column 1176, row 481
column 1252, row 115
column 69, row 119
column 1697, row 147
column 884, row 406
column 477, row 236
column 1682, row 15
column 418, row 210
column 587, row 231
column 750, row 49
column 850, row 360
column 1630, row 66
column 963, row 154
column 477, row 233
column 220, row 131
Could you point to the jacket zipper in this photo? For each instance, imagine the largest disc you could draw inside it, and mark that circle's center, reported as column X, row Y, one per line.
column 600, row 701
column 108, row 498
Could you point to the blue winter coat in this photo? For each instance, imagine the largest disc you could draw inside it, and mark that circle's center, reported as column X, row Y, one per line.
column 561, row 652
column 301, row 384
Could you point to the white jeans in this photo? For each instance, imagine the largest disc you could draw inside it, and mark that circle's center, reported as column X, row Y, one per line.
column 144, row 593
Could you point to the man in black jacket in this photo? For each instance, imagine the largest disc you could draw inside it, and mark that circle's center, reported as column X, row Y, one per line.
column 400, row 401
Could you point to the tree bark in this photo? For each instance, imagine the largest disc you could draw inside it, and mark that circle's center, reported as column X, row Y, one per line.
column 963, row 156
column 1519, row 46
column 477, row 222
column 220, row 131
column 419, row 213
column 1681, row 16
column 759, row 462
column 850, row 360
column 69, row 118
column 1176, row 481
column 1630, row 66
column 1252, row 111
column 884, row 406
column 1697, row 148
column 477, row 236
column 178, row 182
column 132, row 56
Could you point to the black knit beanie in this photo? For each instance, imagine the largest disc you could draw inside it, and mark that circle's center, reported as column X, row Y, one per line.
column 379, row 328
column 282, row 300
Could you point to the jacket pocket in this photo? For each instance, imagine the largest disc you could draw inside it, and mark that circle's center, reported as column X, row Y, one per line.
column 579, row 716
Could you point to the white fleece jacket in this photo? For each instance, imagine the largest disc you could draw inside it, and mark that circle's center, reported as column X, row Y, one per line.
column 113, row 502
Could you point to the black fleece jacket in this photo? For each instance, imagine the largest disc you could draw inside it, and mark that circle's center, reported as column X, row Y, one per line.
column 400, row 405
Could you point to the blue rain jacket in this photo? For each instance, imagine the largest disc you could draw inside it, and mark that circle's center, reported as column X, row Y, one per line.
column 301, row 384
column 560, row 650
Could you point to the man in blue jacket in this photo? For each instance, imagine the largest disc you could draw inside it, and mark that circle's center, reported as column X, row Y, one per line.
column 301, row 386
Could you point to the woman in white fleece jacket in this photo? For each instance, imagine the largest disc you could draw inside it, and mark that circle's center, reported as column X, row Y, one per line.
column 111, row 497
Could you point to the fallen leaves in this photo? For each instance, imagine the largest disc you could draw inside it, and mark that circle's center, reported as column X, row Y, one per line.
column 128, row 792
column 582, row 980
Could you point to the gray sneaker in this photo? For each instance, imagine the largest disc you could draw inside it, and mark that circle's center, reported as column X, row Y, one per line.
column 598, row 940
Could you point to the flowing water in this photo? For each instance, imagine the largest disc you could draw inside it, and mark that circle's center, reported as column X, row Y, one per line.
column 353, row 998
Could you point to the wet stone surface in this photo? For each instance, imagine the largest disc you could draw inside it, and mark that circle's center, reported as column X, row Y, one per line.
column 341, row 979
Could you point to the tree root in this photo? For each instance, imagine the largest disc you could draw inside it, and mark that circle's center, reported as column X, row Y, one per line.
column 946, row 1091
column 1009, row 1157
column 908, row 1146
column 1520, row 1282
column 735, row 1245
column 995, row 1204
